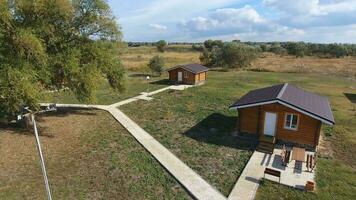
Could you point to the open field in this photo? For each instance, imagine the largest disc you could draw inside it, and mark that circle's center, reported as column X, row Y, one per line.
column 88, row 156
column 271, row 62
column 136, row 58
column 195, row 125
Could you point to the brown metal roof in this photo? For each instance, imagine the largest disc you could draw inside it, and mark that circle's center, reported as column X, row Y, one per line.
column 193, row 67
column 312, row 104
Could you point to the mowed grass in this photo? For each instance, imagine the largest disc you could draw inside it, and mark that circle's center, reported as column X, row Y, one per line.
column 88, row 156
column 104, row 94
column 197, row 126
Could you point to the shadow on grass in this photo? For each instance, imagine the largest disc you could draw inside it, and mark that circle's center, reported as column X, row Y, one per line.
column 161, row 82
column 351, row 97
column 219, row 129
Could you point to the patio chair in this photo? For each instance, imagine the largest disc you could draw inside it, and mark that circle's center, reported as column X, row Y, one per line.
column 310, row 163
column 285, row 157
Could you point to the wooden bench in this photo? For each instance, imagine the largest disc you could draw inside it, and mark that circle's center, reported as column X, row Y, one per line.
column 310, row 162
column 272, row 172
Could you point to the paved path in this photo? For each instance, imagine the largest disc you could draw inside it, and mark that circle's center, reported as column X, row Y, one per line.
column 247, row 184
column 146, row 96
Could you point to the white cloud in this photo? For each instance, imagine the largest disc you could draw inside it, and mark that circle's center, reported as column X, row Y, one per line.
column 200, row 24
column 311, row 7
column 296, row 6
column 238, row 16
column 232, row 22
column 158, row 27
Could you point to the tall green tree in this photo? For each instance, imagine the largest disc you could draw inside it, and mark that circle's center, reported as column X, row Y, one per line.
column 51, row 44
column 229, row 55
column 161, row 45
column 299, row 49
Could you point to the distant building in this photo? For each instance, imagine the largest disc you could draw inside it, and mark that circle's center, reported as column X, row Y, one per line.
column 192, row 74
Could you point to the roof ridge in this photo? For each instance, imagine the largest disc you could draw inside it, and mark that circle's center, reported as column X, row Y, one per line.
column 282, row 90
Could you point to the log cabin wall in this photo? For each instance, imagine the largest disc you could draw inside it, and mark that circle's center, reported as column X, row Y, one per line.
column 187, row 76
column 252, row 121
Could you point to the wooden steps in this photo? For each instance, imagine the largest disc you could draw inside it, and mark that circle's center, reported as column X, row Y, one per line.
column 266, row 144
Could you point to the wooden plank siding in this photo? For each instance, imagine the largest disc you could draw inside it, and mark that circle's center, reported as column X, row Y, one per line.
column 307, row 132
column 248, row 120
column 187, row 76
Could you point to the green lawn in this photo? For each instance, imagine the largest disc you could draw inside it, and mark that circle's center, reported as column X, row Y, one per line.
column 136, row 84
column 88, row 156
column 196, row 125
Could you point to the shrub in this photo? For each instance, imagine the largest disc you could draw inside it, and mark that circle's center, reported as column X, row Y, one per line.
column 156, row 65
column 161, row 45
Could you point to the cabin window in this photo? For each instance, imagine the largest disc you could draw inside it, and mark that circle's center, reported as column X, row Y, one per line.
column 185, row 74
column 291, row 121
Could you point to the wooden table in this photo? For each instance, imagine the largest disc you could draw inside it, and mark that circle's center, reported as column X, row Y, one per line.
column 298, row 154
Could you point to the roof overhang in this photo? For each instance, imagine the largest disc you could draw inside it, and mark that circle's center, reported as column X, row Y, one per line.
column 181, row 66
column 328, row 122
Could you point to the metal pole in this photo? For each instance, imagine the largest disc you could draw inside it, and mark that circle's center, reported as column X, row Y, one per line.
column 148, row 85
column 41, row 158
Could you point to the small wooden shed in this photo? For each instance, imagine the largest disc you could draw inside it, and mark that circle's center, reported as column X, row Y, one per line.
column 283, row 112
column 191, row 74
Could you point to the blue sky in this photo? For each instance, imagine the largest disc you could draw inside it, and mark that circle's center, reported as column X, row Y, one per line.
column 322, row 21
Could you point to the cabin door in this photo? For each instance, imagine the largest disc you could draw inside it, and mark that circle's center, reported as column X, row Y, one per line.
column 270, row 124
column 180, row 76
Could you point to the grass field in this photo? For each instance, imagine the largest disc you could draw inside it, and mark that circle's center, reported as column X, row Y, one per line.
column 194, row 124
column 137, row 58
column 88, row 156
column 340, row 66
column 185, row 122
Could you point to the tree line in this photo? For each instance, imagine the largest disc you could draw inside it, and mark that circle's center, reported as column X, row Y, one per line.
column 300, row 49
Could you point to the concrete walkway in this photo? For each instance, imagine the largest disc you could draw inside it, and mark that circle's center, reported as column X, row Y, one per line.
column 147, row 96
column 246, row 186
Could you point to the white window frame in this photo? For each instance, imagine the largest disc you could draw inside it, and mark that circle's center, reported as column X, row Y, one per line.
column 185, row 74
column 289, row 127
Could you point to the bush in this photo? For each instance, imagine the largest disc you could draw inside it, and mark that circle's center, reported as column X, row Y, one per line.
column 197, row 47
column 161, row 45
column 328, row 130
column 230, row 55
column 156, row 65
column 277, row 49
column 299, row 49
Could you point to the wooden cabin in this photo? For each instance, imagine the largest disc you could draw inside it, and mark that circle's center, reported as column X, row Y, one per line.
column 191, row 74
column 283, row 113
